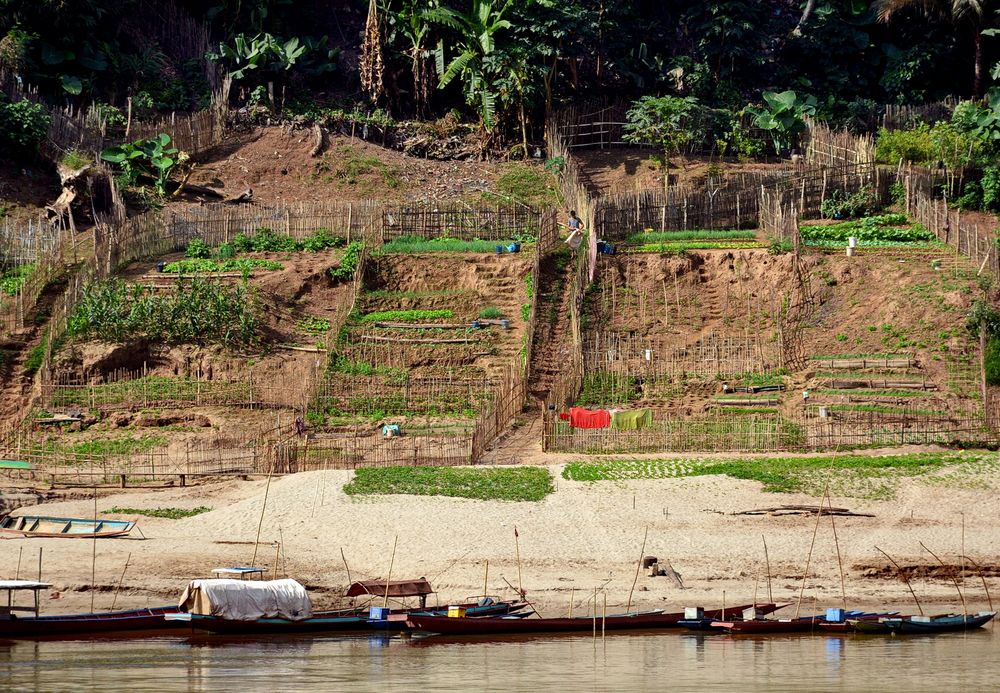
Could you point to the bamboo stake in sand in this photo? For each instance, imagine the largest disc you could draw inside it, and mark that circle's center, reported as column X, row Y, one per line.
column 951, row 574
column 812, row 544
column 517, row 552
column 982, row 576
column 840, row 563
column 638, row 567
column 905, row 579
column 260, row 523
column 486, row 579
column 120, row 579
column 392, row 559
column 767, row 561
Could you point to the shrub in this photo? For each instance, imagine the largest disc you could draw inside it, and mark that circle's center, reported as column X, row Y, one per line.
column 909, row 145
column 991, row 360
column 490, row 313
column 842, row 205
column 23, row 126
column 74, row 159
column 321, row 239
column 197, row 248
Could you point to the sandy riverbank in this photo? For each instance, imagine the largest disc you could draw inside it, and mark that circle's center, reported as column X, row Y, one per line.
column 581, row 537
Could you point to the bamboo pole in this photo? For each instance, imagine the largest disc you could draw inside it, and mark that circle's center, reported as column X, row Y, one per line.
column 93, row 558
column 905, row 579
column 486, row 579
column 260, row 523
column 517, row 552
column 812, row 544
column 638, row 567
column 388, row 579
column 951, row 573
column 120, row 579
column 982, row 576
column 840, row 563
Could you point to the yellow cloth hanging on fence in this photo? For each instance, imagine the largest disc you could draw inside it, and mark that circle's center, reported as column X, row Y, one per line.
column 632, row 420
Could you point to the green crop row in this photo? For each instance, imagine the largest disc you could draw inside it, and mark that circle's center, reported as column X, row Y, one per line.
column 197, row 311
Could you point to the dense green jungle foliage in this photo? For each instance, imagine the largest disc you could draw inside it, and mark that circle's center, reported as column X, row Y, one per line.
column 497, row 63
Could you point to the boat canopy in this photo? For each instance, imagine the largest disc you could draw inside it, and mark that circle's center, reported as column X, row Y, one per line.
column 397, row 588
column 247, row 600
column 10, row 585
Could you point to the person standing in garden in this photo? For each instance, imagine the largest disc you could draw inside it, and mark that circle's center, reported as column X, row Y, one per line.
column 575, row 226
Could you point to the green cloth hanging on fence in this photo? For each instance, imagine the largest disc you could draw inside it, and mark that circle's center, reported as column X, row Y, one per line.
column 632, row 420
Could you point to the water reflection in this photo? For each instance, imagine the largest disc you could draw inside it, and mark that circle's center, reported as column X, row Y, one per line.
column 386, row 662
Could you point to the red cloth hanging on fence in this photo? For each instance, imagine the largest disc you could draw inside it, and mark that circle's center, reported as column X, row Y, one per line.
column 586, row 418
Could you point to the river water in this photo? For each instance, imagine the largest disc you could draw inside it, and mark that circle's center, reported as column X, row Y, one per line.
column 621, row 662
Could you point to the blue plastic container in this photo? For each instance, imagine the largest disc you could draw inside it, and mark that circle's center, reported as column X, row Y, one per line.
column 378, row 613
column 835, row 615
column 514, row 248
column 499, row 250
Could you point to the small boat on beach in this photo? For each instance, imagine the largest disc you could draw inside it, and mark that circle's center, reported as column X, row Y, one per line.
column 642, row 620
column 67, row 527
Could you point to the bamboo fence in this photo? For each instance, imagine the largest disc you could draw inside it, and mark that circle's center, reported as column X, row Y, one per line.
column 772, row 433
column 713, row 356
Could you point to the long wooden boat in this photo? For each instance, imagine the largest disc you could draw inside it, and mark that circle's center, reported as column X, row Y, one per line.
column 332, row 621
column 67, row 527
column 647, row 620
column 132, row 622
column 913, row 625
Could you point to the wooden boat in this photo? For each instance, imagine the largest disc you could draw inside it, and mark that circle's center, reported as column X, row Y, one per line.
column 40, row 526
column 333, row 621
column 133, row 622
column 938, row 624
column 647, row 620
column 130, row 622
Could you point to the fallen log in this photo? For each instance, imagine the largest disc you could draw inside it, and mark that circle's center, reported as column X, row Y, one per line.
column 802, row 510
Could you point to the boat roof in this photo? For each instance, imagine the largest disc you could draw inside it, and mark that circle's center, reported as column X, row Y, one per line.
column 23, row 585
column 397, row 588
column 237, row 570
column 14, row 464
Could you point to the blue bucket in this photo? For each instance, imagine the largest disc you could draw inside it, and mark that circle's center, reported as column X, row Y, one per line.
column 499, row 250
column 378, row 613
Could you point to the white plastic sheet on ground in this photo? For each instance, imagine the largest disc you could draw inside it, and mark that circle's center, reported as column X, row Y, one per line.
column 247, row 600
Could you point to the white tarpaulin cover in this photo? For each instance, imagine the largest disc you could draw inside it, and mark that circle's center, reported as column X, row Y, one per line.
column 247, row 600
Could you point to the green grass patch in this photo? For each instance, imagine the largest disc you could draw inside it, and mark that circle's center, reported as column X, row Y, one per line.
column 651, row 237
column 866, row 476
column 528, row 184
column 490, row 313
column 407, row 315
column 74, row 159
column 205, row 266
column 508, row 484
column 415, row 244
column 684, row 246
column 126, row 445
column 602, row 388
column 872, row 393
column 166, row 513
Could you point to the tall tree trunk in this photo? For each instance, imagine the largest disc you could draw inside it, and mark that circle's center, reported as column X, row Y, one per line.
column 977, row 84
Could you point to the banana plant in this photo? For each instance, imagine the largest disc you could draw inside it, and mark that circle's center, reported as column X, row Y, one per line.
column 783, row 116
column 477, row 32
